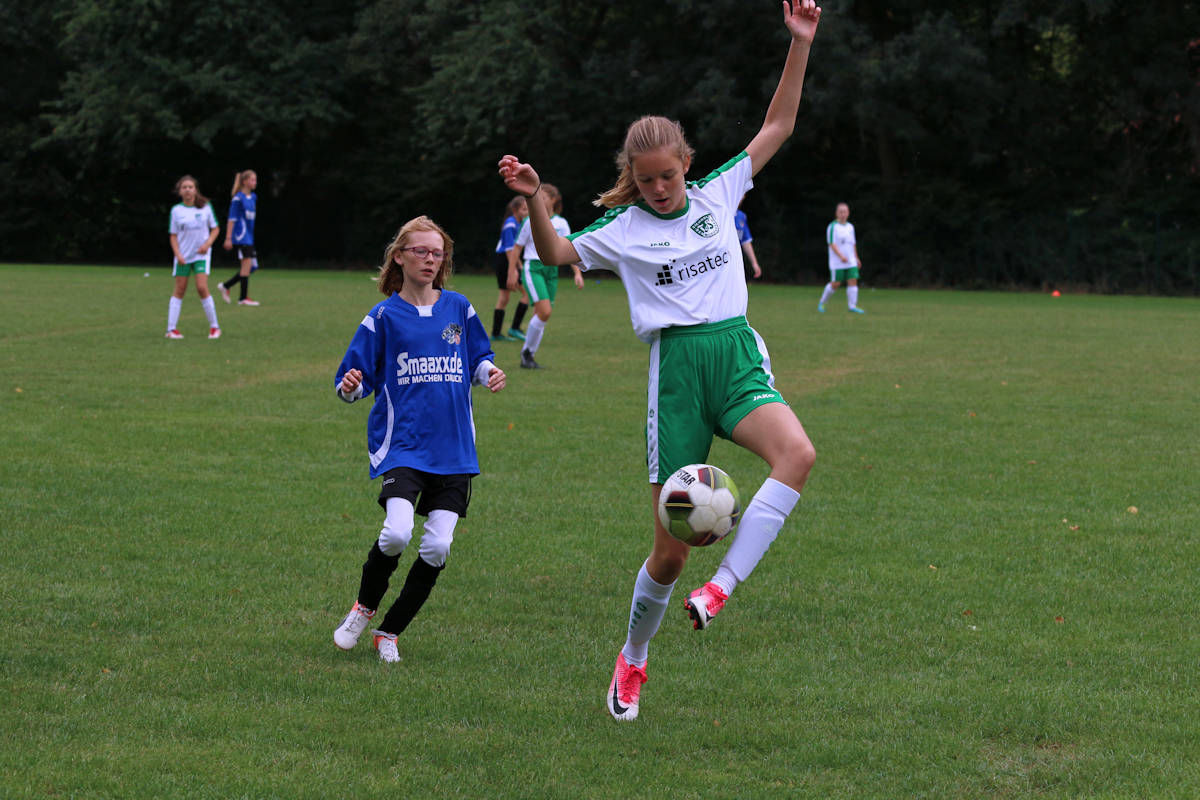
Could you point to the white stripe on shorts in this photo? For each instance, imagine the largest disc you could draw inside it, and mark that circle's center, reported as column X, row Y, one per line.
column 530, row 286
column 766, row 357
column 652, row 410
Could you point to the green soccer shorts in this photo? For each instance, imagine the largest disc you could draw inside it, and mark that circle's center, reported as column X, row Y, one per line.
column 704, row 379
column 197, row 267
column 541, row 281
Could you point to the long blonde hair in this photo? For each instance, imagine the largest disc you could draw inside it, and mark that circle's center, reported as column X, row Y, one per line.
column 240, row 178
column 645, row 134
column 391, row 275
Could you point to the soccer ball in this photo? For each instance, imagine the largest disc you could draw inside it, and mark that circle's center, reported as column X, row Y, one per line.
column 699, row 504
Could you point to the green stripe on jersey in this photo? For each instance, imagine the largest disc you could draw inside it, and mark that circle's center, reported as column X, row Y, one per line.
column 608, row 217
column 716, row 173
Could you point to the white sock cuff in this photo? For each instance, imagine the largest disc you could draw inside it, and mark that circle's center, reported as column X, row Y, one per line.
column 776, row 495
column 652, row 588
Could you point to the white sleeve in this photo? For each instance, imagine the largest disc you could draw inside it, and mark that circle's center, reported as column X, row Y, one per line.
column 600, row 244
column 482, row 372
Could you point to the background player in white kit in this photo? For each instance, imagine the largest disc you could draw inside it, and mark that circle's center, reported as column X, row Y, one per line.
column 539, row 279
column 192, row 230
column 843, row 260
column 675, row 247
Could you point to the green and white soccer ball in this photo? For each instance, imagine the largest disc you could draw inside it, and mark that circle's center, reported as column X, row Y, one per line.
column 699, row 504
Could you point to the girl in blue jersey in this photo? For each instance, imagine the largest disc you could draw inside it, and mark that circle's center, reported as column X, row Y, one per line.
column 515, row 213
column 239, row 235
column 675, row 247
column 418, row 352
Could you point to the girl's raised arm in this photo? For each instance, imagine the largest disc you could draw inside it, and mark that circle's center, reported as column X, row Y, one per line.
column 552, row 249
column 801, row 18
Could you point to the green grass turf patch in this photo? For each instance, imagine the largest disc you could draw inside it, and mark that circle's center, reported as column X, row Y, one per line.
column 964, row 603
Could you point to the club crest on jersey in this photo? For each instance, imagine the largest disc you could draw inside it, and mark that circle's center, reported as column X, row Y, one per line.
column 706, row 226
column 452, row 333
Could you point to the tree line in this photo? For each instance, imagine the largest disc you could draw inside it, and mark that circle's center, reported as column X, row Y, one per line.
column 987, row 144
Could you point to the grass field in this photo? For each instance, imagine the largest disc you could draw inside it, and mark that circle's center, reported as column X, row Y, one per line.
column 965, row 603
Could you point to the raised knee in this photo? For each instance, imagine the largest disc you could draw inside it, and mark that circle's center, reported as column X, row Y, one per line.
column 393, row 539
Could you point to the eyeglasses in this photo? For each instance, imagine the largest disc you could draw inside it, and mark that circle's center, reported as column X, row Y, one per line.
column 421, row 252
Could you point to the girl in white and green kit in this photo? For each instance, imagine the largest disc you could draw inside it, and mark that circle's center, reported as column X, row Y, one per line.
column 675, row 246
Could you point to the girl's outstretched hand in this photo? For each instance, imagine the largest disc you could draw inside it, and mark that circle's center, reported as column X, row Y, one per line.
column 520, row 177
column 801, row 18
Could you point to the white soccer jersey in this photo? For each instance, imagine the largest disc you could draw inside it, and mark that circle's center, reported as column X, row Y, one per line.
column 683, row 268
column 525, row 237
column 841, row 234
column 191, row 227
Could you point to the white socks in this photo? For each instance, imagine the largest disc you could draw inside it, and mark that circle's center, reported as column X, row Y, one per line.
column 210, row 311
column 852, row 296
column 828, row 293
column 760, row 524
column 173, row 310
column 176, row 305
column 533, row 334
column 649, row 604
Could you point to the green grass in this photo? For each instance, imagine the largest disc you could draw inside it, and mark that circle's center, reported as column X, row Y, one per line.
column 962, row 605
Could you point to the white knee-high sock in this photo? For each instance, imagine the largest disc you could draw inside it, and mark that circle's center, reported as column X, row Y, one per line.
column 649, row 604
column 173, row 309
column 533, row 334
column 210, row 311
column 852, row 296
column 760, row 524
column 828, row 293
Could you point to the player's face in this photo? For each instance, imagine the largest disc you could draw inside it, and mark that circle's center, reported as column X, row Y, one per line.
column 659, row 177
column 843, row 212
column 187, row 192
column 521, row 211
column 421, row 270
column 251, row 182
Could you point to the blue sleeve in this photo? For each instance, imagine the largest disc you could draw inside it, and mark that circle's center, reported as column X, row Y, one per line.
column 508, row 234
column 235, row 207
column 743, row 228
column 479, row 345
column 363, row 355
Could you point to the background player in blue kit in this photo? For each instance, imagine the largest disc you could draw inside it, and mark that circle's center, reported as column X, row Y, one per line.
column 419, row 352
column 675, row 247
column 239, row 235
column 753, row 270
column 515, row 213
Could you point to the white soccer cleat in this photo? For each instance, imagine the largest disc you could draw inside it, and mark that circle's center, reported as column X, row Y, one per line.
column 174, row 334
column 385, row 643
column 224, row 292
column 346, row 635
column 625, row 690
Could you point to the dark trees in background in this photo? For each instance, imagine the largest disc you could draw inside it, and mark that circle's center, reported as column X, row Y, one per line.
column 978, row 144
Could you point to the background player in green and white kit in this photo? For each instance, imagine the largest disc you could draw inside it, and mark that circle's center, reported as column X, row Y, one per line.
column 192, row 230
column 843, row 260
column 676, row 250
column 540, row 279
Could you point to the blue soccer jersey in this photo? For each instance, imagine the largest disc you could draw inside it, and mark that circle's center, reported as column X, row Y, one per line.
column 508, row 235
column 743, row 227
column 241, row 213
column 420, row 362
